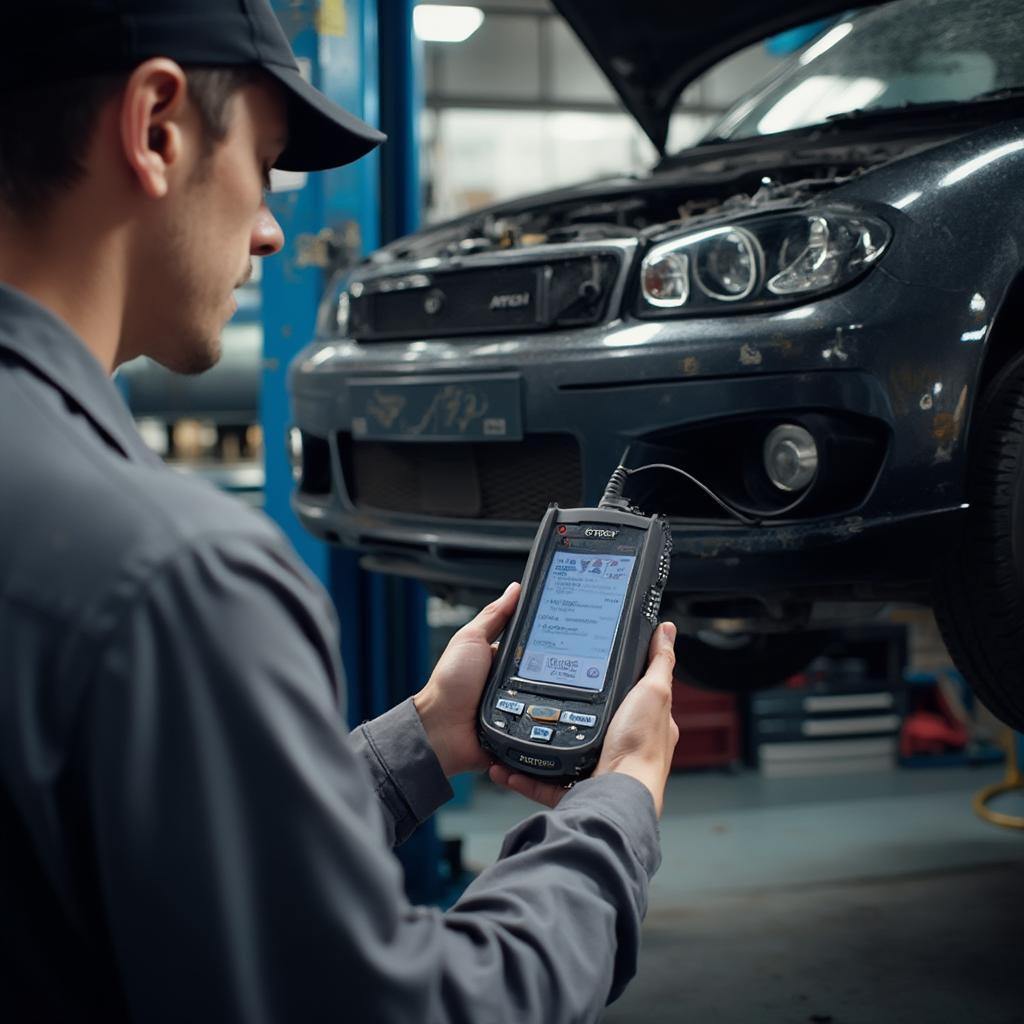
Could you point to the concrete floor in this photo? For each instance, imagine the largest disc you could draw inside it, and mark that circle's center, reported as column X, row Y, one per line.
column 875, row 899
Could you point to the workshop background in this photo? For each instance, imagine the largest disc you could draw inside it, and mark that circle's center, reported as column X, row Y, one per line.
column 842, row 881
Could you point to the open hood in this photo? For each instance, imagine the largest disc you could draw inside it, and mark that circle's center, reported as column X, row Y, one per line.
column 652, row 49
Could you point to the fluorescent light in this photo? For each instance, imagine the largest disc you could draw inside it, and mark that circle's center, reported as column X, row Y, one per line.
column 964, row 170
column 826, row 42
column 910, row 197
column 638, row 334
column 817, row 98
column 443, row 23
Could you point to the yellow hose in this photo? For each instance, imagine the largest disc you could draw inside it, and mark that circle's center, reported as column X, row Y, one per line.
column 1012, row 782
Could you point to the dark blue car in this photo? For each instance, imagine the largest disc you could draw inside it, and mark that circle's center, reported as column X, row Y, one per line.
column 816, row 312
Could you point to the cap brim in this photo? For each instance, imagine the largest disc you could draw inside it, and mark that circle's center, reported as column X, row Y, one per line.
column 320, row 133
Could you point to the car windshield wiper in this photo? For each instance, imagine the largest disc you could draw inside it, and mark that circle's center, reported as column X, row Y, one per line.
column 861, row 116
column 1008, row 92
column 992, row 96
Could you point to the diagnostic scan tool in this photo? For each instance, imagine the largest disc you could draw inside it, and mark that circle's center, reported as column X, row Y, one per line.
column 578, row 640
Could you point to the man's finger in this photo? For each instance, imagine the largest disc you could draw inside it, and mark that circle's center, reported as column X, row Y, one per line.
column 548, row 793
column 666, row 634
column 493, row 619
column 662, row 654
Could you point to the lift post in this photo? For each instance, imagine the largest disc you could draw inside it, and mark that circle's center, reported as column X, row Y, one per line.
column 331, row 219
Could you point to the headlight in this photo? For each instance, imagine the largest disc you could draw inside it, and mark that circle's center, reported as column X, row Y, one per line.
column 666, row 280
column 728, row 265
column 765, row 261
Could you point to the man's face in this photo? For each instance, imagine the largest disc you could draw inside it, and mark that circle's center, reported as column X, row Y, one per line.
column 216, row 221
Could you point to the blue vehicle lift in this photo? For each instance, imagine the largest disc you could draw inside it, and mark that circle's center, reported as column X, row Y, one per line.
column 371, row 67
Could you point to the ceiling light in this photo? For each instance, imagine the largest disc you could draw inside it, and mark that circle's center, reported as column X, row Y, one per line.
column 826, row 42
column 442, row 23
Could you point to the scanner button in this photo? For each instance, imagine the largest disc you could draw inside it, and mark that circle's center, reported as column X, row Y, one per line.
column 513, row 707
column 543, row 713
column 543, row 733
column 575, row 718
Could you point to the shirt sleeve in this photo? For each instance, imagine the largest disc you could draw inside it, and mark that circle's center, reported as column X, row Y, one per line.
column 407, row 775
column 242, row 857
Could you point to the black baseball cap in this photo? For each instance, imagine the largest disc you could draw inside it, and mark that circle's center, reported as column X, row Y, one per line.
column 50, row 40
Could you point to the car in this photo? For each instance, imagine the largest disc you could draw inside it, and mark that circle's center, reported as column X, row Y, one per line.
column 815, row 313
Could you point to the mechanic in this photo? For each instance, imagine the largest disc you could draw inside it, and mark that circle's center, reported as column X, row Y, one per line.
column 189, row 834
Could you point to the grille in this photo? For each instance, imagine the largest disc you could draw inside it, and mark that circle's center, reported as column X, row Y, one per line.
column 535, row 297
column 468, row 480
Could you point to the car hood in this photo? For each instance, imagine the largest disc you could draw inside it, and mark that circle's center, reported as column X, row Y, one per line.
column 650, row 50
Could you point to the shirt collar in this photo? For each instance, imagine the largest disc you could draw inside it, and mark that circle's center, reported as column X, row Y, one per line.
column 40, row 338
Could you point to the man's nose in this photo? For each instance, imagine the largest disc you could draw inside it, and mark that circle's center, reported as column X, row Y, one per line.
column 267, row 236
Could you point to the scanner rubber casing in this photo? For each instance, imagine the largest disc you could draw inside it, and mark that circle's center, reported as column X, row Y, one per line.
column 566, row 758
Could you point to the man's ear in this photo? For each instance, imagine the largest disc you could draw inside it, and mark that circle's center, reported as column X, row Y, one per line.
column 154, row 112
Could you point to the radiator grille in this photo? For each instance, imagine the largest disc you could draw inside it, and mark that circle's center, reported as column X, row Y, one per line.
column 561, row 292
column 468, row 480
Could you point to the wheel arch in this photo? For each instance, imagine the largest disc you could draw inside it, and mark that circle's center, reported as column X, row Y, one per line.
column 1006, row 337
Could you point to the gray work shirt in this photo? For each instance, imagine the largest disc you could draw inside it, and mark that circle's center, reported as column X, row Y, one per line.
column 187, row 831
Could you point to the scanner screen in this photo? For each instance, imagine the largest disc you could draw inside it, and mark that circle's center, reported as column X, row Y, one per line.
column 572, row 633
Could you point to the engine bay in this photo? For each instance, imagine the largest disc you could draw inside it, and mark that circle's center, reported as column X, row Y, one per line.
column 711, row 184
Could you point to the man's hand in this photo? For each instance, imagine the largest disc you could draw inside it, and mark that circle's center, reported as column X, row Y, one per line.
column 526, row 785
column 448, row 704
column 640, row 738
column 642, row 735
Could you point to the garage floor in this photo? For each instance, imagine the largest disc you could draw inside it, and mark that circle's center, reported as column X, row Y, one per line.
column 875, row 899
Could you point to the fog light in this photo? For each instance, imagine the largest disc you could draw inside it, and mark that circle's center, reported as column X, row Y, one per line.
column 790, row 457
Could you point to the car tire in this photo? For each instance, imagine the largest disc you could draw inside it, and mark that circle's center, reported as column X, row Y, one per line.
column 978, row 593
column 765, row 659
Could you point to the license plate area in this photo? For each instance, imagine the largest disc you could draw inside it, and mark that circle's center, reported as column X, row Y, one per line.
column 449, row 408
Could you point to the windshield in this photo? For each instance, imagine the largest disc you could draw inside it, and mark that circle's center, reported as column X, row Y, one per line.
column 912, row 51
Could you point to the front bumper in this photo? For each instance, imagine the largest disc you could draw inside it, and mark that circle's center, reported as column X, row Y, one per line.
column 904, row 368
